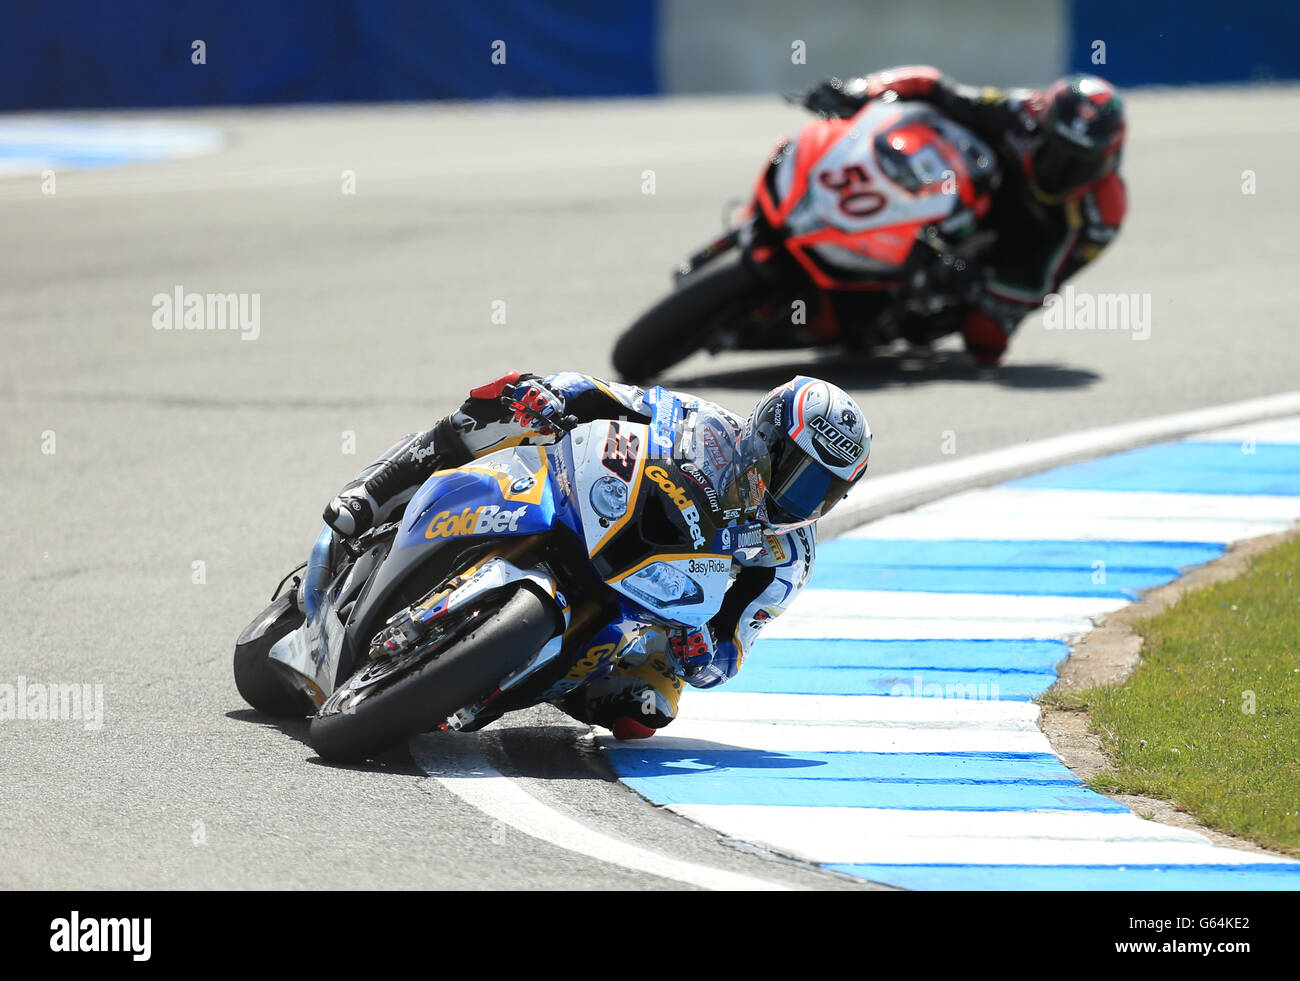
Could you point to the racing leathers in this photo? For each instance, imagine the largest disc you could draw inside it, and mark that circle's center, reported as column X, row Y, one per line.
column 1041, row 240
column 641, row 693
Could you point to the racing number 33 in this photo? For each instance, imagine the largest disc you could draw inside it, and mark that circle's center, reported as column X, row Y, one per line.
column 620, row 452
column 857, row 200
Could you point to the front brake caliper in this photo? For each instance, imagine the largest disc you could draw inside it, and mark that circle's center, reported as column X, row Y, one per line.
column 400, row 634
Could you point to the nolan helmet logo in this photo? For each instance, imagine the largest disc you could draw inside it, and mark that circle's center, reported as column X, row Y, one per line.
column 837, row 443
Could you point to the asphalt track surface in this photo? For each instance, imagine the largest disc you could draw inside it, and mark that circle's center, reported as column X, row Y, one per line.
column 177, row 447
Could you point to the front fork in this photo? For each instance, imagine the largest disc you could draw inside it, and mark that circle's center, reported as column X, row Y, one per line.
column 700, row 259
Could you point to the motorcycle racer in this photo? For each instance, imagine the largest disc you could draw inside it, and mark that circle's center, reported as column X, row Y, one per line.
column 795, row 457
column 1061, row 200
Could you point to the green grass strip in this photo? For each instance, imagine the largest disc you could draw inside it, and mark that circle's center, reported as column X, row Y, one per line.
column 1210, row 720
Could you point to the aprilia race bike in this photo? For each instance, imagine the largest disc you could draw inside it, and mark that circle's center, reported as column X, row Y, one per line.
column 857, row 235
column 507, row 582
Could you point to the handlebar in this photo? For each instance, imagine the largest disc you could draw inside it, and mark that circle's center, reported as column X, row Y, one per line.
column 565, row 423
column 357, row 546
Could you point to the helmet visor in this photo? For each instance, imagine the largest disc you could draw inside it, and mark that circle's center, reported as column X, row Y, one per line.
column 802, row 493
column 1061, row 167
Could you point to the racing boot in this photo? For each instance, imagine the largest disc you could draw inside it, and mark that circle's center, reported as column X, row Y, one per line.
column 373, row 497
column 631, row 702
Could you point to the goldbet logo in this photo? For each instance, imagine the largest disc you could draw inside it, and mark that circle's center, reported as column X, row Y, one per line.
column 489, row 519
column 679, row 497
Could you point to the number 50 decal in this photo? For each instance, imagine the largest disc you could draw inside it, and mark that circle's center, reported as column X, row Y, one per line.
column 857, row 200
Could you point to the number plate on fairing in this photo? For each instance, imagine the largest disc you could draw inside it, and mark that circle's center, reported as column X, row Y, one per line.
column 616, row 472
column 847, row 189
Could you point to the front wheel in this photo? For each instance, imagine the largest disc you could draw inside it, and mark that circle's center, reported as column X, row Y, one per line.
column 383, row 705
column 683, row 322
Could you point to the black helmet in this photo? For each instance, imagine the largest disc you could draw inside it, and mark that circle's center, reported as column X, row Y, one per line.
column 810, row 442
column 1081, row 135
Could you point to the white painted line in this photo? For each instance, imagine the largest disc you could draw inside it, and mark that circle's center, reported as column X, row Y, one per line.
column 1270, row 431
column 462, row 770
column 962, row 850
column 1052, row 502
column 720, row 705
column 1053, row 514
column 902, row 604
column 840, row 822
column 874, row 835
column 884, row 628
column 904, row 615
column 877, row 496
column 1068, row 528
column 694, row 735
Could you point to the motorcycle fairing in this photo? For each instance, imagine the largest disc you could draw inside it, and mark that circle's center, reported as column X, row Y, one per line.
column 503, row 493
column 639, row 501
column 847, row 218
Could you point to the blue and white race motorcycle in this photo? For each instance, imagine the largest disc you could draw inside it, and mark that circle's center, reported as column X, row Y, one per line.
column 506, row 582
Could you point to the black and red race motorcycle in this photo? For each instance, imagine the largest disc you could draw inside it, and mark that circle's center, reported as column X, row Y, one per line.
column 858, row 234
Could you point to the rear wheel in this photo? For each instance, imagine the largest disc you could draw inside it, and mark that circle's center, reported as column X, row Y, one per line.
column 684, row 321
column 385, row 703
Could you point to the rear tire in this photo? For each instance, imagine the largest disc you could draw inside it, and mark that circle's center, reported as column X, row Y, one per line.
column 678, row 325
column 418, row 700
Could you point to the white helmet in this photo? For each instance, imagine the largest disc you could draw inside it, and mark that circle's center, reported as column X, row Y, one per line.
column 817, row 441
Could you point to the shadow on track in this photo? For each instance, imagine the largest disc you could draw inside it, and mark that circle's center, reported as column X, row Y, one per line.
column 396, row 761
column 887, row 371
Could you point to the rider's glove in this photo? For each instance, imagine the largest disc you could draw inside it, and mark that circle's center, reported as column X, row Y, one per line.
column 532, row 403
column 836, row 98
column 693, row 649
column 351, row 513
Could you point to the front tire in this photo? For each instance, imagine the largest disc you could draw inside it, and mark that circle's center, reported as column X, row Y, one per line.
column 423, row 696
column 678, row 325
